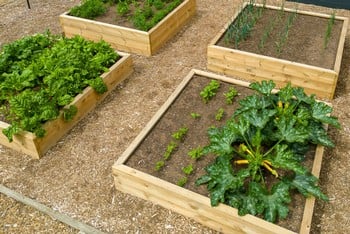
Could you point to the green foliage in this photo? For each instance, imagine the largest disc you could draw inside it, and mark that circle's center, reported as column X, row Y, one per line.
column 230, row 95
column 210, row 91
column 196, row 153
column 260, row 151
column 69, row 112
column 195, row 115
column 283, row 35
column 89, row 9
column 240, row 29
column 171, row 147
column 148, row 14
column 180, row 134
column 188, row 169
column 41, row 74
column 182, row 182
column 219, row 114
column 159, row 165
column 123, row 8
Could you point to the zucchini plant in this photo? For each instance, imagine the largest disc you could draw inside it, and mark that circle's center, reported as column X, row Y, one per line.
column 261, row 148
column 41, row 74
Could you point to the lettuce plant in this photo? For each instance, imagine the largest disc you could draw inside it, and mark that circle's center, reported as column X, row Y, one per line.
column 261, row 148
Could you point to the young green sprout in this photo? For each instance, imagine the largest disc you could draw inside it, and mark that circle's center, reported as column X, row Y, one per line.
column 219, row 114
column 230, row 95
column 181, row 182
column 196, row 153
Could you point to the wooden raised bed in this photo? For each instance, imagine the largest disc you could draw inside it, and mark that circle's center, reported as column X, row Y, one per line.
column 127, row 39
column 222, row 218
column 28, row 143
column 252, row 66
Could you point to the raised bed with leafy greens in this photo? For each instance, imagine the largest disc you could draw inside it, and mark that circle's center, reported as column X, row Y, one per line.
column 261, row 149
column 143, row 14
column 41, row 74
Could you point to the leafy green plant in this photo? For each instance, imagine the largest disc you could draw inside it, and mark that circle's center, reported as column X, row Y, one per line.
column 159, row 165
column 230, row 95
column 123, row 8
column 261, row 149
column 328, row 32
column 267, row 32
column 196, row 153
column 240, row 29
column 188, row 169
column 171, row 147
column 89, row 9
column 284, row 33
column 210, row 91
column 180, row 134
column 195, row 115
column 181, row 182
column 41, row 74
column 219, row 114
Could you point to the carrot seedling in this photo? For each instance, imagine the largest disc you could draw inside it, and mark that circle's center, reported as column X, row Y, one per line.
column 230, row 95
column 169, row 150
column 196, row 153
column 181, row 182
column 195, row 115
column 219, row 114
column 188, row 169
column 159, row 165
column 180, row 134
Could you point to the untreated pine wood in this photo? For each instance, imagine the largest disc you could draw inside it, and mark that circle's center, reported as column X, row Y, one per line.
column 27, row 143
column 221, row 218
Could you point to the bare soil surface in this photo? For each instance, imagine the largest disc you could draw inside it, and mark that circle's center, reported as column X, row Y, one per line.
column 304, row 44
column 75, row 176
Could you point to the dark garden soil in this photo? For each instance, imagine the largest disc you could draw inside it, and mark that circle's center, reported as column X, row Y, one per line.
column 305, row 43
column 178, row 115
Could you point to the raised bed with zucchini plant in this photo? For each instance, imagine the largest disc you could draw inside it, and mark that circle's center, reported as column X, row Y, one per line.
column 136, row 26
column 238, row 157
column 285, row 45
column 48, row 83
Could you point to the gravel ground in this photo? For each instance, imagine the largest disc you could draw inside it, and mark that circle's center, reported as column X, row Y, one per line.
column 74, row 177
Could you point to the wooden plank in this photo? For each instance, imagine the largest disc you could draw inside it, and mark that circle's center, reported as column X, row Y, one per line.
column 316, row 84
column 221, row 218
column 29, row 144
column 22, row 142
column 171, row 24
column 270, row 63
column 48, row 211
column 341, row 44
column 305, row 226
